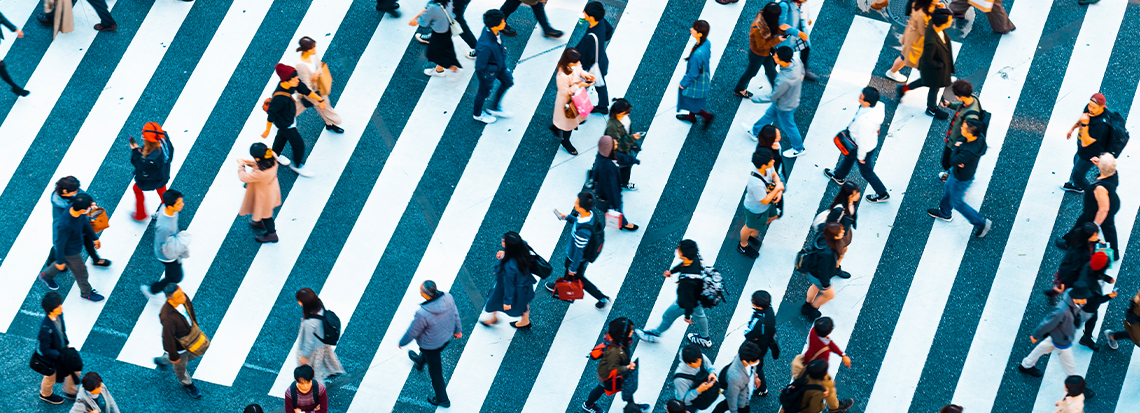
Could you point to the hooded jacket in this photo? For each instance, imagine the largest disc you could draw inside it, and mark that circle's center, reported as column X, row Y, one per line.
column 59, row 204
column 435, row 322
column 1060, row 324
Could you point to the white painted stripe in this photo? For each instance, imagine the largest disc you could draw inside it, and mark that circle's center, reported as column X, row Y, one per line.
column 28, row 114
column 250, row 306
column 1128, row 402
column 388, row 198
column 918, row 321
column 82, row 160
column 1129, row 205
column 214, row 215
column 17, row 12
column 1013, row 283
column 485, row 348
column 807, row 184
column 466, row 208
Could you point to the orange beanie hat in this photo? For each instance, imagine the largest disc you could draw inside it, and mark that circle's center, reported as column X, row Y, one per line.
column 151, row 132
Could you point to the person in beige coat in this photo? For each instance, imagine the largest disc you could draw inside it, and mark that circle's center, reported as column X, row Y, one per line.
column 913, row 38
column 1075, row 393
column 262, row 191
column 310, row 69
column 569, row 77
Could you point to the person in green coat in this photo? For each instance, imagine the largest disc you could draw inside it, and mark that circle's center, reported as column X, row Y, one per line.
column 626, row 143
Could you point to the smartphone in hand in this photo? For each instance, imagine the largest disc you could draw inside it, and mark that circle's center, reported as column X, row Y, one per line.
column 131, row 139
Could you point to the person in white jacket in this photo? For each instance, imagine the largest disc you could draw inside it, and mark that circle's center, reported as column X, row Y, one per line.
column 1074, row 401
column 94, row 398
column 864, row 131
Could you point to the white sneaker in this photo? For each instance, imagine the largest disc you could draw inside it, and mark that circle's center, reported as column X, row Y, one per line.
column 146, row 291
column 792, row 153
column 762, row 97
column 301, row 170
column 470, row 55
column 420, row 38
column 896, row 76
column 281, row 159
column 500, row 113
column 432, row 72
column 748, row 131
column 485, row 118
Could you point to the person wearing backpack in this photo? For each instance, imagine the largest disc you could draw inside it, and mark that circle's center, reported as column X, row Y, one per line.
column 586, row 241
column 1094, row 132
column 815, row 391
column 967, row 107
column 152, row 165
column 763, row 191
column 1100, row 205
column 761, row 330
column 435, row 323
column 819, row 346
column 312, row 348
column 690, row 286
column 964, row 159
column 305, row 394
column 738, row 381
column 694, row 384
column 615, row 368
column 514, row 284
column 95, row 396
column 825, row 266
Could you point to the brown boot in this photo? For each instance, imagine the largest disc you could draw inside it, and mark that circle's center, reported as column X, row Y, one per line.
column 269, row 237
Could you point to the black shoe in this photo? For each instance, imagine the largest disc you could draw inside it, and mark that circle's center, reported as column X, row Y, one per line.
column 748, row 251
column 1032, row 371
column 44, row 20
column 53, row 399
column 554, row 34
column 509, row 31
column 806, row 308
column 569, row 147
column 1069, row 187
column 334, row 128
column 434, row 402
column 102, row 262
column 602, row 303
column 810, row 77
column 549, row 286
column 827, row 172
column 269, row 237
column 416, row 358
column 526, row 327
column 48, row 282
column 256, row 224
column 1061, row 243
column 876, row 198
column 630, row 228
column 102, row 28
column 634, row 407
column 935, row 213
column 687, row 118
column 937, row 114
column 844, row 405
column 192, row 391
column 1086, row 2
column 601, row 110
column 1088, row 342
column 20, row 91
column 759, row 393
column 843, row 274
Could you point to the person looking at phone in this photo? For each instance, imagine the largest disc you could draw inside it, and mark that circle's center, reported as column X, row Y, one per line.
column 694, row 382
column 766, row 33
column 626, row 143
column 584, row 223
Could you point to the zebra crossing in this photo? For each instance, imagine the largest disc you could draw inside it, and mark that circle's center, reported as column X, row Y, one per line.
column 443, row 188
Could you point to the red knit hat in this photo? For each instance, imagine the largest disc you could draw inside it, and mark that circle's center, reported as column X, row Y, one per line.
column 285, row 72
column 1098, row 261
column 152, row 131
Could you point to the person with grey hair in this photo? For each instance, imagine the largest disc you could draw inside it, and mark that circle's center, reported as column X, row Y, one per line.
column 1101, row 204
column 435, row 323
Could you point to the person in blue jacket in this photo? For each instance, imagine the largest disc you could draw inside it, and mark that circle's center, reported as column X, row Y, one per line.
column 607, row 176
column 797, row 37
column 491, row 64
column 694, row 87
column 583, row 224
column 66, row 188
column 514, row 284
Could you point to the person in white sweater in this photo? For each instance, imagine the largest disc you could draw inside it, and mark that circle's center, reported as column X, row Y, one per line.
column 864, row 130
column 1074, row 401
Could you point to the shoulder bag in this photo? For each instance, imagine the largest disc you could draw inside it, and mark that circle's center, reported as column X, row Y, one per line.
column 456, row 29
column 196, row 342
column 324, row 82
column 596, row 70
column 41, row 364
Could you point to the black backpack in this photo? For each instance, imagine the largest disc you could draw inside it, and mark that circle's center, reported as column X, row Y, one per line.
column 708, row 397
column 316, row 390
column 597, row 239
column 984, row 116
column 722, row 378
column 807, row 260
column 1118, row 135
column 331, row 324
column 792, row 396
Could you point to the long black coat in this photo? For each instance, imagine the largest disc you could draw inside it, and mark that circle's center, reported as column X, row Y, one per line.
column 937, row 61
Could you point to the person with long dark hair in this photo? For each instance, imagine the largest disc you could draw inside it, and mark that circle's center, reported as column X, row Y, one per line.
column 614, row 366
column 844, row 209
column 827, row 267
column 625, row 143
column 569, row 78
column 694, row 87
column 437, row 16
column 310, row 349
column 19, row 91
column 765, row 34
column 514, row 284
column 913, row 38
column 262, row 191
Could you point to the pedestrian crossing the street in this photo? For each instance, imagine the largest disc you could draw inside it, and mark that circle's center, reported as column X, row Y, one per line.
column 416, row 190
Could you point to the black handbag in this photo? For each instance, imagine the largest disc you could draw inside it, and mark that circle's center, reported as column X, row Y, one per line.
column 539, row 266
column 41, row 364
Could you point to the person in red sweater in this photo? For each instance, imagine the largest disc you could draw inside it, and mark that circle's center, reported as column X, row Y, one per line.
column 305, row 396
column 819, row 347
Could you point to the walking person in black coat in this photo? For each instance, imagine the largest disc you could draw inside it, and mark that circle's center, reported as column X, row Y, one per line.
column 66, row 189
column 762, row 331
column 3, row 68
column 52, row 341
column 514, row 284
column 1101, row 204
column 539, row 8
column 936, row 64
column 491, row 64
column 70, row 230
column 607, row 177
column 592, row 47
column 152, row 165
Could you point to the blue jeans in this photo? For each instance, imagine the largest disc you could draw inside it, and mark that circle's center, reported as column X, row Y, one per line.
column 866, row 169
column 485, row 83
column 952, row 198
column 675, row 311
column 788, row 127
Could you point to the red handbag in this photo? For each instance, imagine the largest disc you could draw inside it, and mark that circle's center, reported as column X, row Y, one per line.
column 568, row 290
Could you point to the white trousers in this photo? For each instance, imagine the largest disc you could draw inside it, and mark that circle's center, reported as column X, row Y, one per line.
column 1045, row 347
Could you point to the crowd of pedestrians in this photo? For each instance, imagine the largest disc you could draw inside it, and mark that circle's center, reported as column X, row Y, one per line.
column 778, row 42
